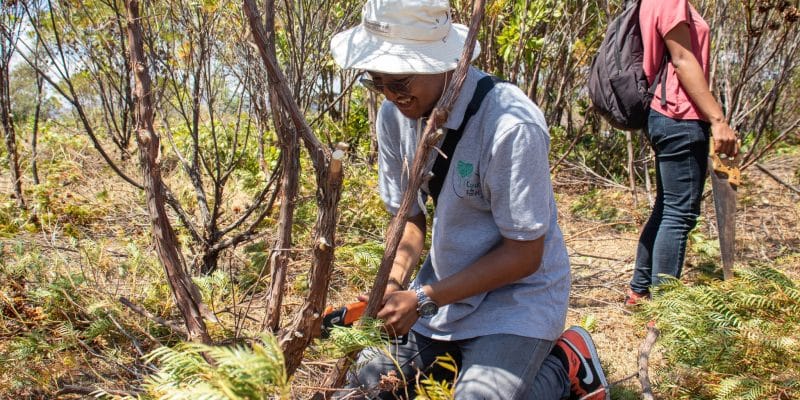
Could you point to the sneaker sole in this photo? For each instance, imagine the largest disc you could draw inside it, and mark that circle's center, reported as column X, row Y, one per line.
column 593, row 352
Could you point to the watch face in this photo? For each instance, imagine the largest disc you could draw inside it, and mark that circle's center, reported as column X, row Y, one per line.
column 428, row 309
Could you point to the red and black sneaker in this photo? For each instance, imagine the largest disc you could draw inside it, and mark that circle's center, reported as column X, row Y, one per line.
column 579, row 356
column 633, row 299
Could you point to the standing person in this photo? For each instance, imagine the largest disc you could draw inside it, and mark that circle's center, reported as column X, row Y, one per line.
column 679, row 134
column 494, row 289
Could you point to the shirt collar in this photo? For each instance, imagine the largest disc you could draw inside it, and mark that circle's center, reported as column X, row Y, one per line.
column 464, row 97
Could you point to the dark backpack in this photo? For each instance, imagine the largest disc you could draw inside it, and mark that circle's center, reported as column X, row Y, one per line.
column 617, row 85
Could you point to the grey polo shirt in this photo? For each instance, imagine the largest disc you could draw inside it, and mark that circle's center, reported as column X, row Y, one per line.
column 498, row 186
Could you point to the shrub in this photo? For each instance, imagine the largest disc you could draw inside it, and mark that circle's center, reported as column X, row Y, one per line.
column 734, row 339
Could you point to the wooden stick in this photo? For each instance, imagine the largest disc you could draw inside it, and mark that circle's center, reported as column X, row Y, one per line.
column 155, row 318
column 644, row 358
column 90, row 391
column 776, row 178
column 631, row 173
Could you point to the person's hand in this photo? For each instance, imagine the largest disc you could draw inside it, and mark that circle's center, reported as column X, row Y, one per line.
column 399, row 311
column 725, row 141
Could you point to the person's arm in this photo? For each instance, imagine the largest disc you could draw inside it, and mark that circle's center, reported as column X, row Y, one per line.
column 692, row 79
column 509, row 262
column 408, row 253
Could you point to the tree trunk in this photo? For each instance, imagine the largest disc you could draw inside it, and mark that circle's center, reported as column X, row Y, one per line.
column 307, row 321
column 290, row 160
column 327, row 166
column 6, row 118
column 279, row 259
column 165, row 241
column 35, row 130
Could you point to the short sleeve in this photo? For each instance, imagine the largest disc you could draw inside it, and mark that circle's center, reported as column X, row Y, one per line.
column 668, row 14
column 518, row 179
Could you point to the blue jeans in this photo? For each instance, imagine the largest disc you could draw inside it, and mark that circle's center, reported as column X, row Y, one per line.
column 501, row 367
column 681, row 148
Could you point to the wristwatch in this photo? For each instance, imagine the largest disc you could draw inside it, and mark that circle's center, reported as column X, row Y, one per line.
column 426, row 308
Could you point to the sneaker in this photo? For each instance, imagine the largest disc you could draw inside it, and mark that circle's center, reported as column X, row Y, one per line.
column 632, row 298
column 587, row 381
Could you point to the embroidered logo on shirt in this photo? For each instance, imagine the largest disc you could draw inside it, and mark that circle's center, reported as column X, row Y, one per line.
column 464, row 169
column 468, row 183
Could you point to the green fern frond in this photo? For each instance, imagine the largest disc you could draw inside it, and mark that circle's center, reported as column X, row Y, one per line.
column 755, row 392
column 713, row 298
column 775, row 276
column 100, row 307
column 737, row 332
column 750, row 276
column 27, row 346
column 367, row 334
column 235, row 372
column 65, row 329
column 756, row 301
column 728, row 388
column 792, row 293
column 683, row 332
column 720, row 320
column 183, row 360
column 216, row 284
column 668, row 284
column 365, row 257
column 97, row 328
column 368, row 254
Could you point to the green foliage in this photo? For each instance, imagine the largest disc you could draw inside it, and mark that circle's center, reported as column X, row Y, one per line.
column 9, row 218
column 214, row 288
column 363, row 216
column 538, row 13
column 360, row 262
column 598, row 205
column 258, row 261
column 589, row 322
column 196, row 371
column 726, row 340
column 57, row 295
column 367, row 333
column 29, row 345
column 701, row 244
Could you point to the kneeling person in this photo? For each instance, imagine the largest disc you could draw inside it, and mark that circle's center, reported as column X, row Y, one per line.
column 494, row 289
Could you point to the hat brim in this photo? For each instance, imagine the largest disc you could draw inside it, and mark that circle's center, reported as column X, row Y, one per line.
column 360, row 49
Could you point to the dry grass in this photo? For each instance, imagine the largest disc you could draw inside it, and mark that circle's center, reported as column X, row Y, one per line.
column 602, row 253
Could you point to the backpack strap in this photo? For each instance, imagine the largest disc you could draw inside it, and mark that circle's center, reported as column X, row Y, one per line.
column 442, row 164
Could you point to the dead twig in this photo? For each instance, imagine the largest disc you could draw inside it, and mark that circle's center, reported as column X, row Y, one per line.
column 569, row 238
column 155, row 318
column 89, row 391
column 579, row 254
column 644, row 358
column 776, row 178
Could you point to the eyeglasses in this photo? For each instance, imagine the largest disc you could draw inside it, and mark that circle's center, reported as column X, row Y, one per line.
column 396, row 87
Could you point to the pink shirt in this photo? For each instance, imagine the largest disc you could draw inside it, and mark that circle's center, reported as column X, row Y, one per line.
column 657, row 18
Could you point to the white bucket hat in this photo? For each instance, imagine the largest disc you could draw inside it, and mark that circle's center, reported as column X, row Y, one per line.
column 402, row 37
